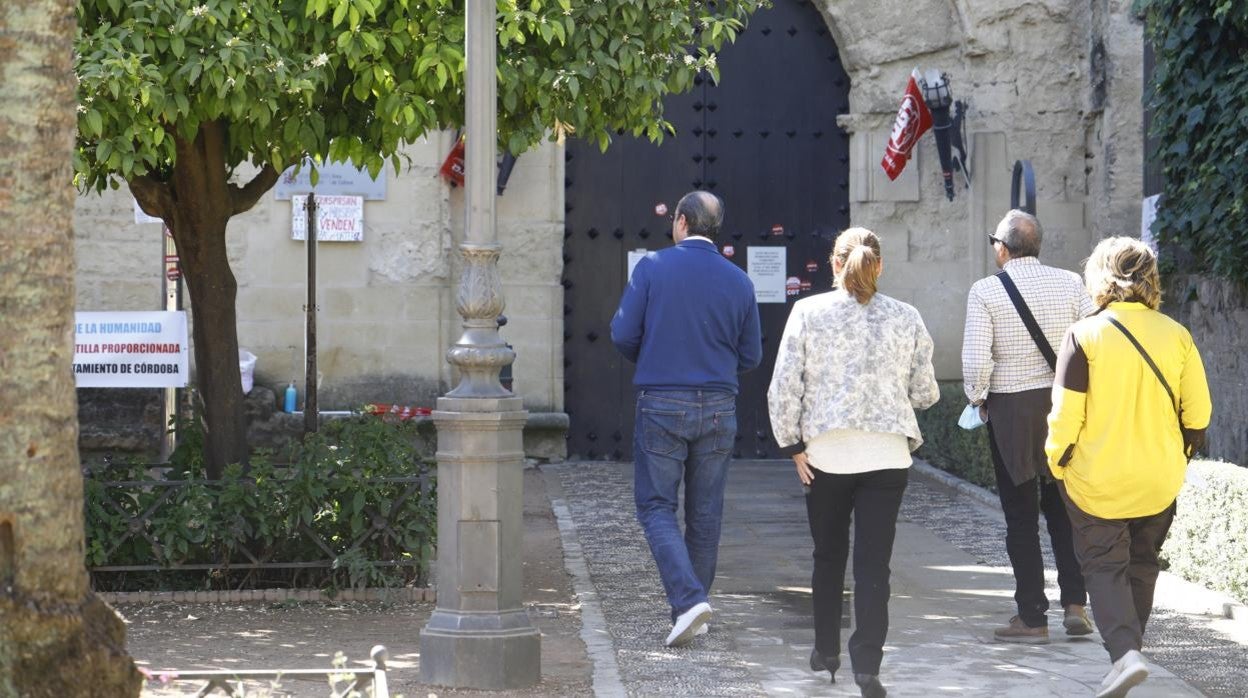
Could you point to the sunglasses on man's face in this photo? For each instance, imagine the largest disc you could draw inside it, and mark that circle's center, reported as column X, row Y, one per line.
column 994, row 240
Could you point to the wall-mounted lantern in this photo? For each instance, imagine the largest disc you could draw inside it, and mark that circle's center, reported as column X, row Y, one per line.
column 948, row 129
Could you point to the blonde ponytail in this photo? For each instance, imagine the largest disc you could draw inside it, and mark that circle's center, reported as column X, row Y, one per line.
column 857, row 251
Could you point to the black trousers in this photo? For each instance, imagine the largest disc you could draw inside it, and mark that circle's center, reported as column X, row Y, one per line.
column 874, row 499
column 1119, row 559
column 1022, row 505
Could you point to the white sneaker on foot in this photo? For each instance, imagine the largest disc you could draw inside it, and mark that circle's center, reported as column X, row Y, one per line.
column 687, row 625
column 702, row 630
column 1127, row 673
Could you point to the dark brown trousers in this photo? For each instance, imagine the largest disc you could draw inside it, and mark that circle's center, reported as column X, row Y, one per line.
column 1119, row 562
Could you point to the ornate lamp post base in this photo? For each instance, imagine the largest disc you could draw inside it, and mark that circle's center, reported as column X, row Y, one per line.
column 490, row 651
column 480, row 635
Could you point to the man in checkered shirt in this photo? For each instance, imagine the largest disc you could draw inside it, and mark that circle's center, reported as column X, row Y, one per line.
column 1009, row 378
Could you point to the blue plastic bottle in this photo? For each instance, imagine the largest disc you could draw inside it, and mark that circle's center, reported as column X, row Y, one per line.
column 290, row 397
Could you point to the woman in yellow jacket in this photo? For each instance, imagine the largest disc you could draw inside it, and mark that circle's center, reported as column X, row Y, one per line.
column 1130, row 406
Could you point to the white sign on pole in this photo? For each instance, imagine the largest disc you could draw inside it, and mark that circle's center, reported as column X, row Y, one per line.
column 635, row 256
column 141, row 217
column 332, row 179
column 766, row 267
column 1148, row 214
column 130, row 350
column 338, row 218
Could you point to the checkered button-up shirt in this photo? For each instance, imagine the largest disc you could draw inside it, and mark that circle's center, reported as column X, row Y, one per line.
column 998, row 353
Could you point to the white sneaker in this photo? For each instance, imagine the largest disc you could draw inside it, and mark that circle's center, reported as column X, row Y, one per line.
column 687, row 625
column 702, row 630
column 1127, row 673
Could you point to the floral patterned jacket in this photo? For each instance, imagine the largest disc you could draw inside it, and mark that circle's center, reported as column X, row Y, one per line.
column 845, row 365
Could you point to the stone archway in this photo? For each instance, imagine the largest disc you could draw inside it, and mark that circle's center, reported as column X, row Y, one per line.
column 1052, row 81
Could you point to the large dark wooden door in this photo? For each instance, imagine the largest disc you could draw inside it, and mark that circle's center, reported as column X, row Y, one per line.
column 765, row 140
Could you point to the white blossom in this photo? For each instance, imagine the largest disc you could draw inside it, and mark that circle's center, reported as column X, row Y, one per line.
column 82, row 109
column 690, row 60
column 229, row 81
column 320, row 60
column 231, row 42
column 199, row 10
column 711, row 61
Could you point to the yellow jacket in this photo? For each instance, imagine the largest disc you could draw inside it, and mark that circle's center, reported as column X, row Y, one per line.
column 1113, row 439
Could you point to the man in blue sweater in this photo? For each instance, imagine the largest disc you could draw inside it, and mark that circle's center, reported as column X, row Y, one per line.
column 689, row 320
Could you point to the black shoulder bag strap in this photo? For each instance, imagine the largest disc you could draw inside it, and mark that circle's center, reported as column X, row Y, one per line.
column 1149, row 360
column 1029, row 320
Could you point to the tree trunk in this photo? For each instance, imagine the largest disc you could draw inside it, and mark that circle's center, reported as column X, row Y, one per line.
column 206, row 268
column 197, row 203
column 56, row 638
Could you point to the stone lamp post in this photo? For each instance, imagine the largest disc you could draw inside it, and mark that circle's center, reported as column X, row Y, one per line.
column 480, row 636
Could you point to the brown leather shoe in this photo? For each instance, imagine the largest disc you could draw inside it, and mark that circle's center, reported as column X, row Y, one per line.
column 1076, row 620
column 1017, row 631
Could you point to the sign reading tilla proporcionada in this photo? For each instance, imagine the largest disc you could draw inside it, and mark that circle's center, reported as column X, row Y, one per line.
column 130, row 350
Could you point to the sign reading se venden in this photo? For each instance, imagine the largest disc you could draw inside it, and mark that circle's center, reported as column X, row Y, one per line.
column 338, row 218
column 130, row 350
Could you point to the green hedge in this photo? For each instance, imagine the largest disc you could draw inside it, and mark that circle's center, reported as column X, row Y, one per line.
column 950, row 447
column 1208, row 543
column 357, row 495
column 1199, row 101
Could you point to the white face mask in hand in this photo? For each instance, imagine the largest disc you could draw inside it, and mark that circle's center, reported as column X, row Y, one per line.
column 970, row 418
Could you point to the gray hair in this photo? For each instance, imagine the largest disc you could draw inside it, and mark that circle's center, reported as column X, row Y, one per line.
column 1022, row 233
column 703, row 212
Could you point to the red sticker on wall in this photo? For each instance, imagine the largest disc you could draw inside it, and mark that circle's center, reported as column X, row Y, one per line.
column 812, row 266
column 805, row 285
column 729, row 250
column 792, row 286
column 660, row 209
column 777, row 229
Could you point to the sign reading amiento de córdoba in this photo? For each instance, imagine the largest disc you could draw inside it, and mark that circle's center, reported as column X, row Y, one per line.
column 130, row 350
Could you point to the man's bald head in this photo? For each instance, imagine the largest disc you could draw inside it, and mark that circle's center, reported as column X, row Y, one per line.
column 703, row 212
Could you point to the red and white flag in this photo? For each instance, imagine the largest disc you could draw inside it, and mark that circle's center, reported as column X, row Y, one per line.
column 913, row 120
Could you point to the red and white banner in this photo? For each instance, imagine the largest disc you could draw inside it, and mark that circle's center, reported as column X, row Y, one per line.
column 913, row 120
column 453, row 167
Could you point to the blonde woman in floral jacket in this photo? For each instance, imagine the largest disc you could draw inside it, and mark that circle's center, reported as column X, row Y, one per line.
column 852, row 367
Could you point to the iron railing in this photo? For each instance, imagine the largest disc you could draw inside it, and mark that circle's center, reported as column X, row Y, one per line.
column 366, row 682
column 123, row 498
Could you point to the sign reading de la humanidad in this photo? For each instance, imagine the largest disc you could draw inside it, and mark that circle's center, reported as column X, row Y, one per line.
column 130, row 350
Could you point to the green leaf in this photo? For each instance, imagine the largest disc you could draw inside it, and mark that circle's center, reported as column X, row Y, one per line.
column 95, row 122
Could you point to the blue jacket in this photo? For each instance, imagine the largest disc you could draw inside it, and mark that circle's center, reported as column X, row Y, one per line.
column 689, row 320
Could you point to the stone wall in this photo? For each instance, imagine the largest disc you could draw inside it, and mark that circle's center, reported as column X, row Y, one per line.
column 1057, row 82
column 1216, row 312
column 387, row 309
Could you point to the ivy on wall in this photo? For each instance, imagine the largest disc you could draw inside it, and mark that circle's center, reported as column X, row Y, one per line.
column 1199, row 98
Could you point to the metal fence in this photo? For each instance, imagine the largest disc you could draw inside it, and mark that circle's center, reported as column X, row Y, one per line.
column 140, row 502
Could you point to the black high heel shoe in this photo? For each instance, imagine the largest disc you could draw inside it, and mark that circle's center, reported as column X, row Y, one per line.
column 821, row 663
column 870, row 685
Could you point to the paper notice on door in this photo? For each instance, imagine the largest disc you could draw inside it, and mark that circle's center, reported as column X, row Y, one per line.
column 635, row 256
column 766, row 267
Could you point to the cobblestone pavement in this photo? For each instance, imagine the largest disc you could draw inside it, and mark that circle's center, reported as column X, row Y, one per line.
column 951, row 586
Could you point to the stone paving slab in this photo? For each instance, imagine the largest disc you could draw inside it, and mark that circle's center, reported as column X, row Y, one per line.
column 951, row 586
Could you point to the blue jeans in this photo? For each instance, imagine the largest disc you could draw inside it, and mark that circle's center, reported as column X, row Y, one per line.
column 683, row 435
